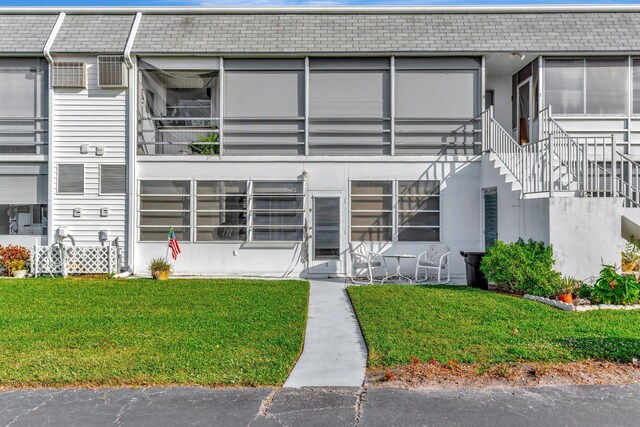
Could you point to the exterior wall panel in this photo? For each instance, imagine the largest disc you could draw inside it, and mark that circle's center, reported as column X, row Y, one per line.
column 99, row 118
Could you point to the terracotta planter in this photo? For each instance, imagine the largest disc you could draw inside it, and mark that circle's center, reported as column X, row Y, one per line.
column 20, row 274
column 568, row 298
column 161, row 275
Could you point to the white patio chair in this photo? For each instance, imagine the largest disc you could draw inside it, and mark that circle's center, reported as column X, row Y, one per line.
column 435, row 258
column 363, row 260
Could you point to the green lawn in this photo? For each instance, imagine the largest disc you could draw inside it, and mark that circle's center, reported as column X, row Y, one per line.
column 473, row 326
column 57, row 332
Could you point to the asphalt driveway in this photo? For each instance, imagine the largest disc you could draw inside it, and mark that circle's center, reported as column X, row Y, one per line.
column 181, row 406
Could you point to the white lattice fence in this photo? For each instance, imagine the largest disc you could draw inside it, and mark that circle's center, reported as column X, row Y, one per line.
column 69, row 260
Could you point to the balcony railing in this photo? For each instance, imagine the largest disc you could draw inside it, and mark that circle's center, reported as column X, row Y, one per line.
column 24, row 136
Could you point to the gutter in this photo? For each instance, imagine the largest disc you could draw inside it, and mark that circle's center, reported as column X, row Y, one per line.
column 131, row 39
column 321, row 9
column 52, row 37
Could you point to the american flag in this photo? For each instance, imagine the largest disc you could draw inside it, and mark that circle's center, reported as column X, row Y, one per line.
column 173, row 244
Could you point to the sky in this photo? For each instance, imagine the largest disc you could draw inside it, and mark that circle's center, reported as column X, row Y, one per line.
column 297, row 2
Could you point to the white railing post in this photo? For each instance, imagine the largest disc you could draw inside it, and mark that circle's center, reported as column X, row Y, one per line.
column 550, row 161
column 34, row 259
column 614, row 168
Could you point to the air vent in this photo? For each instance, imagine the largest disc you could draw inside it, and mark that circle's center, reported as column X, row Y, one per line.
column 112, row 71
column 70, row 74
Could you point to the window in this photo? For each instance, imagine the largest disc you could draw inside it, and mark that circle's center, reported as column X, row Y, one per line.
column 264, row 106
column 178, row 111
column 221, row 211
column 70, row 179
column 415, row 205
column 418, row 211
column 636, row 86
column 586, row 86
column 349, row 106
column 23, row 106
column 19, row 219
column 371, row 211
column 277, row 211
column 165, row 204
column 113, row 179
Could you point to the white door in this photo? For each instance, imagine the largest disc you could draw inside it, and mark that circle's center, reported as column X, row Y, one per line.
column 326, row 247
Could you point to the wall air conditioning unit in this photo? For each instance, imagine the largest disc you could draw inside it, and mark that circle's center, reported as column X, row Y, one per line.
column 112, row 71
column 69, row 74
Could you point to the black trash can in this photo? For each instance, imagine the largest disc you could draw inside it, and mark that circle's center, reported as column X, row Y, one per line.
column 475, row 277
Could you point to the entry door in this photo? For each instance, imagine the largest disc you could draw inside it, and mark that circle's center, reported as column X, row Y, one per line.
column 524, row 112
column 326, row 234
column 490, row 217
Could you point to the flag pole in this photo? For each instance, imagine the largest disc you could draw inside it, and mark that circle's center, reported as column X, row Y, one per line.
column 166, row 254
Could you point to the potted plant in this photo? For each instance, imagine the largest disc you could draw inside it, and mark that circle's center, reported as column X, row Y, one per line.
column 566, row 287
column 631, row 256
column 17, row 268
column 206, row 145
column 14, row 259
column 160, row 268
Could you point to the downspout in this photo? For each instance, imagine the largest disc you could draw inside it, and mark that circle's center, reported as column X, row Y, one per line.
column 50, row 128
column 132, row 144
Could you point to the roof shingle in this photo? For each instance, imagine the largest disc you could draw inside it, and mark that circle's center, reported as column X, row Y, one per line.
column 25, row 34
column 93, row 34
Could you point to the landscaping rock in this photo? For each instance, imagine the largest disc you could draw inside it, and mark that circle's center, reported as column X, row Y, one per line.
column 581, row 301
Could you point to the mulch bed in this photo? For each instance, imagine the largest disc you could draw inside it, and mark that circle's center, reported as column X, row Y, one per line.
column 452, row 375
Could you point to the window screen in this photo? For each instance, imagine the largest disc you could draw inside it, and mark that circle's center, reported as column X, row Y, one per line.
column 436, row 108
column 606, row 83
column 113, row 179
column 264, row 107
column 564, row 85
column 70, row 179
column 163, row 205
column 591, row 86
column 349, row 108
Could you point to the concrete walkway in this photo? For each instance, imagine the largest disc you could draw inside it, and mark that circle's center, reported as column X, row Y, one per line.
column 334, row 352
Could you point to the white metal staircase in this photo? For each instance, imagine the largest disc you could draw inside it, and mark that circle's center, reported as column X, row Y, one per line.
column 561, row 165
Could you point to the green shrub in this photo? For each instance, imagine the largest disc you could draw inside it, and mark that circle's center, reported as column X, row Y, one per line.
column 614, row 288
column 521, row 268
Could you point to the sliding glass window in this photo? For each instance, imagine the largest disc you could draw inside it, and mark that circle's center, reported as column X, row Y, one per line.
column 595, row 86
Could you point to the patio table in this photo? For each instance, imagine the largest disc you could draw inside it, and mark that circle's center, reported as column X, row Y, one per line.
column 398, row 275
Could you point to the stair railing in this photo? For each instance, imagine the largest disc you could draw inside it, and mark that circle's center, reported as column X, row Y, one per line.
column 628, row 181
column 496, row 140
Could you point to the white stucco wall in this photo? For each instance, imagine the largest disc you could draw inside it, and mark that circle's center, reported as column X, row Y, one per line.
column 585, row 233
column 460, row 217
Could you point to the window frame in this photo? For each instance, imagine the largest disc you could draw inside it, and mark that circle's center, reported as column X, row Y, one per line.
column 102, row 193
column 251, row 210
column 84, row 178
column 395, row 217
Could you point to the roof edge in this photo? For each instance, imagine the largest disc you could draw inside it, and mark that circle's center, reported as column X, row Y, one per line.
column 205, row 10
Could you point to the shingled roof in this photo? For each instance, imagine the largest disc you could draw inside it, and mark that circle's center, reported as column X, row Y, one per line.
column 328, row 32
column 93, row 34
column 390, row 32
column 24, row 34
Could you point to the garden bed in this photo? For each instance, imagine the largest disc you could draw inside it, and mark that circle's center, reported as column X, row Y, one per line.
column 575, row 307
